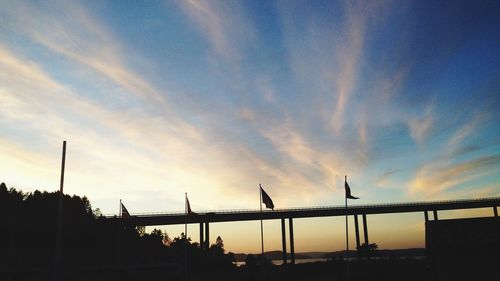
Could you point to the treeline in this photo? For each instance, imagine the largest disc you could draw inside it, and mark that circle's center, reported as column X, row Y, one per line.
column 93, row 247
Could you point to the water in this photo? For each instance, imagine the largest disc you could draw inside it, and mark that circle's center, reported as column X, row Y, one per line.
column 297, row 261
column 280, row 262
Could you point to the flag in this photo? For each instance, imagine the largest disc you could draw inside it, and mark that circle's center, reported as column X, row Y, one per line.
column 266, row 199
column 125, row 213
column 348, row 192
column 189, row 207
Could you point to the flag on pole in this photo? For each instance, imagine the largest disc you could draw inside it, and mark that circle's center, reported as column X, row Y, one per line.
column 266, row 199
column 125, row 213
column 189, row 211
column 348, row 191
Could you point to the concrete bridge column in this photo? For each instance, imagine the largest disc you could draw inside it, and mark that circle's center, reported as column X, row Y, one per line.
column 207, row 236
column 283, row 239
column 356, row 227
column 292, row 250
column 426, row 216
column 365, row 228
column 435, row 215
column 201, row 235
column 495, row 211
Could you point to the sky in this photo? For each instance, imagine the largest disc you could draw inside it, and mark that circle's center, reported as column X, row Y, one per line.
column 210, row 98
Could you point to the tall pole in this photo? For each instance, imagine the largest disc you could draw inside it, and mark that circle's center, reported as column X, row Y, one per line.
column 261, row 225
column 185, row 237
column 186, row 212
column 57, row 265
column 346, row 233
column 346, row 224
column 261, row 232
column 119, row 243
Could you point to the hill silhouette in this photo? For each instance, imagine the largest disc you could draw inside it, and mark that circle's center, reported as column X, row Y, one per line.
column 385, row 253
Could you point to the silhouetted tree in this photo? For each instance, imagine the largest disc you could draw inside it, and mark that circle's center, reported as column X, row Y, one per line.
column 217, row 249
column 92, row 241
column 366, row 250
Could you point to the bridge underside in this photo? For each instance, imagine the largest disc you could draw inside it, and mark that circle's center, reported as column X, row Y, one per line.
column 205, row 218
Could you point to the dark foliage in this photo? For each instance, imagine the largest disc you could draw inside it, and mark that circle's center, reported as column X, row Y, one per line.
column 367, row 250
column 93, row 247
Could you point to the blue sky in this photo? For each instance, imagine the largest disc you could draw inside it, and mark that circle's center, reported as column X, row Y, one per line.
column 211, row 98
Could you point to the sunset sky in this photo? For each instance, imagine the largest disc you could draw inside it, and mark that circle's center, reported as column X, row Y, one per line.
column 159, row 98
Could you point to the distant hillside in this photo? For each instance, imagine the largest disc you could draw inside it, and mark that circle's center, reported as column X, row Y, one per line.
column 272, row 255
column 277, row 255
column 413, row 252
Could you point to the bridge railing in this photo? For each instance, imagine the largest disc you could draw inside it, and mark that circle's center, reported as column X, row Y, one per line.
column 319, row 208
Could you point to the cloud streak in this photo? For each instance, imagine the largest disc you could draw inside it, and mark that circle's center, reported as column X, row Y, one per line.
column 435, row 178
column 48, row 102
column 384, row 180
column 222, row 24
column 71, row 31
column 348, row 56
column 421, row 127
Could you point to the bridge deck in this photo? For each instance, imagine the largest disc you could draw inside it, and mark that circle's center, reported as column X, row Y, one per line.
column 246, row 215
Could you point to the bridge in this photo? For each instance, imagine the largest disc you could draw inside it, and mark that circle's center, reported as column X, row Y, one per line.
column 207, row 217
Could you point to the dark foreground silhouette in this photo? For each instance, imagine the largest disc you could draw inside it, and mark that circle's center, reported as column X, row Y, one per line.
column 93, row 248
column 96, row 248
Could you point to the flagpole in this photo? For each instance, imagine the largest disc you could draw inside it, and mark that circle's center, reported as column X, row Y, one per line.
column 185, row 235
column 261, row 226
column 346, row 232
column 261, row 231
column 186, row 212
column 346, row 223
column 57, row 265
column 119, row 240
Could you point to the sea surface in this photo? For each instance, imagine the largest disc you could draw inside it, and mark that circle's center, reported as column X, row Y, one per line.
column 280, row 262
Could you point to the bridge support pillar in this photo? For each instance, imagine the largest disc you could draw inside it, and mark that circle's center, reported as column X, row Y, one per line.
column 435, row 215
column 283, row 239
column 495, row 211
column 207, row 236
column 356, row 227
column 365, row 228
column 292, row 249
column 201, row 236
column 426, row 216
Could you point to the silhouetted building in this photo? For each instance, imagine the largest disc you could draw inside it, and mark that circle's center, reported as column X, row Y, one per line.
column 464, row 249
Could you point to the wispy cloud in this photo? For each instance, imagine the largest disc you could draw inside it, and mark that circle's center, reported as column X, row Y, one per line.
column 421, row 127
column 437, row 177
column 464, row 132
column 326, row 58
column 38, row 104
column 348, row 55
column 385, row 180
column 23, row 74
column 447, row 169
column 163, row 156
column 223, row 24
column 67, row 28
